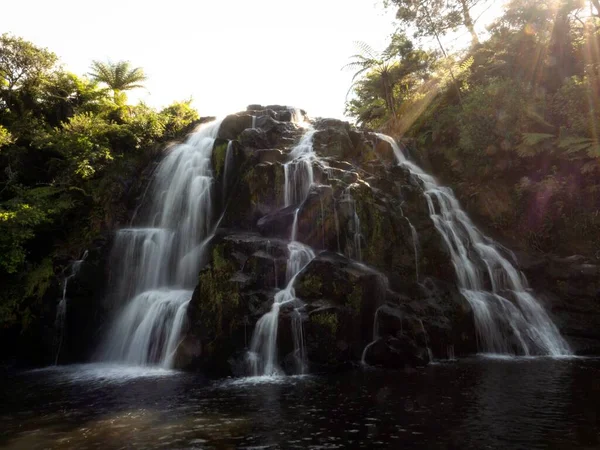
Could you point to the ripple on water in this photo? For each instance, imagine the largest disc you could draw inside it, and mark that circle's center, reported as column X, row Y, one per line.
column 103, row 373
column 263, row 380
column 504, row 357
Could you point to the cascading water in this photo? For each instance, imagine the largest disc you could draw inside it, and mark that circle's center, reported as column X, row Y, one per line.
column 61, row 308
column 375, row 336
column 262, row 356
column 357, row 236
column 508, row 318
column 415, row 240
column 426, row 337
column 299, row 175
column 156, row 265
column 228, row 166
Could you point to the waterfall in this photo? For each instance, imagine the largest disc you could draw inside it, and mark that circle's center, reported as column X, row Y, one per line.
column 299, row 175
column 228, row 165
column 426, row 337
column 415, row 241
column 262, row 357
column 508, row 318
column 61, row 308
column 375, row 337
column 357, row 236
column 156, row 264
column 298, row 335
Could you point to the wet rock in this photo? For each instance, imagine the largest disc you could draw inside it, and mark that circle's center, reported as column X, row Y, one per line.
column 278, row 223
column 317, row 225
column 271, row 155
column 322, row 124
column 233, row 125
column 254, row 138
column 395, row 353
column 570, row 287
column 334, row 142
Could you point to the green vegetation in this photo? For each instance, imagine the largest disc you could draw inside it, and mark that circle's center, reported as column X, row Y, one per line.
column 326, row 320
column 511, row 122
column 70, row 151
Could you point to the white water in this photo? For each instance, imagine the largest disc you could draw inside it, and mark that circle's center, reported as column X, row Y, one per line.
column 298, row 336
column 156, row 264
column 228, row 166
column 61, row 308
column 355, row 229
column 299, row 175
column 426, row 337
column 375, row 336
column 262, row 357
column 415, row 240
column 508, row 318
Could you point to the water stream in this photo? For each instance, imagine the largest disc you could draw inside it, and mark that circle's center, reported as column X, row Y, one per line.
column 262, row 357
column 61, row 308
column 508, row 318
column 156, row 263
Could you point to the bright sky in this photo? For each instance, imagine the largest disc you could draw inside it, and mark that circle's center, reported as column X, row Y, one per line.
column 225, row 54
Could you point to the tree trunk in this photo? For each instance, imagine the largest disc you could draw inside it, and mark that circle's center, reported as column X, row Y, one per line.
column 596, row 4
column 468, row 21
column 388, row 92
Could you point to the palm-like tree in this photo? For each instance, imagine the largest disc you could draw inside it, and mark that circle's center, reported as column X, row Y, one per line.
column 118, row 76
column 368, row 60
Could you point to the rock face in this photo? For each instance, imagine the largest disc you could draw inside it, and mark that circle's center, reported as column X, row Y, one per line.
column 381, row 288
column 572, row 288
column 381, row 279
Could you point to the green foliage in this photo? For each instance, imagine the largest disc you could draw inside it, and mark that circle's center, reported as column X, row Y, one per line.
column 326, row 320
column 70, row 151
column 5, row 137
column 513, row 124
column 39, row 278
column 491, row 117
column 84, row 142
column 118, row 76
column 434, row 18
column 178, row 115
column 17, row 226
column 384, row 80
column 22, row 65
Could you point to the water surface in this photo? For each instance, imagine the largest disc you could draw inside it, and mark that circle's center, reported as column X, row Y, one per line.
column 480, row 403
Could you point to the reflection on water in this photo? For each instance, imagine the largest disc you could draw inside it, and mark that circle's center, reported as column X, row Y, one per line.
column 472, row 404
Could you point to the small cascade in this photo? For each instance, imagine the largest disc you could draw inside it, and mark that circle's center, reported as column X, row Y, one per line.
column 298, row 335
column 426, row 337
column 299, row 175
column 262, row 357
column 253, row 121
column 450, row 353
column 298, row 116
column 355, row 229
column 337, row 226
column 148, row 330
column 61, row 308
column 228, row 165
column 508, row 318
column 375, row 337
column 415, row 240
column 156, row 264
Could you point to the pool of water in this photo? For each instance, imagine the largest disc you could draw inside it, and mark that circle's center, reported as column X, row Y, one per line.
column 478, row 403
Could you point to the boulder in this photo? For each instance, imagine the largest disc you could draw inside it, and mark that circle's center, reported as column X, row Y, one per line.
column 233, row 125
column 570, row 287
